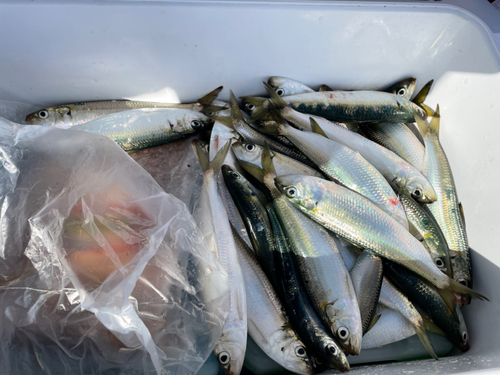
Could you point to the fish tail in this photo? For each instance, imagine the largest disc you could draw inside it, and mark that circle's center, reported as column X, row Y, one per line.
column 254, row 170
column 422, row 94
column 267, row 162
column 212, row 109
column 431, row 127
column 456, row 287
column 422, row 335
column 316, row 128
column 277, row 101
column 434, row 123
column 219, row 158
column 324, row 88
column 227, row 121
column 202, row 155
column 211, row 96
column 235, row 109
column 275, row 128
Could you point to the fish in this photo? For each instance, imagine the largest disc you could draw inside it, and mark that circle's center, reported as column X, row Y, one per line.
column 286, row 86
column 255, row 219
column 449, row 320
column 252, row 153
column 230, row 349
column 298, row 305
column 68, row 115
column 447, row 210
column 141, row 128
column 366, row 276
column 249, row 134
column 398, row 138
column 268, row 324
column 320, row 265
column 355, row 106
column 391, row 327
column 344, row 166
column 392, row 167
column 403, row 88
column 424, row 227
column 361, row 222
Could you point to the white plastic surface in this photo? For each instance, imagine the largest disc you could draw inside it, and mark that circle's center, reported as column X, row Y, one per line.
column 56, row 53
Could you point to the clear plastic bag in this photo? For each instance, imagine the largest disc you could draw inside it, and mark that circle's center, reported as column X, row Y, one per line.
column 101, row 270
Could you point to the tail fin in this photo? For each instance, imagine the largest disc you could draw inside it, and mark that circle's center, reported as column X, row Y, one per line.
column 456, row 287
column 422, row 335
column 277, row 100
column 324, row 88
column 431, row 127
column 211, row 96
column 267, row 161
column 212, row 109
column 227, row 121
column 271, row 128
column 235, row 109
column 253, row 169
column 219, row 158
column 316, row 128
column 421, row 96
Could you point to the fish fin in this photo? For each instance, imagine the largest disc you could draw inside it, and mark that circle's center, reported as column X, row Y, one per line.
column 316, row 128
column 227, row 121
column 212, row 109
column 254, row 170
column 432, row 327
column 235, row 109
column 448, row 297
column 267, row 161
column 273, row 129
column 202, row 155
column 211, row 96
column 461, row 208
column 423, row 125
column 422, row 94
column 428, row 110
column 434, row 123
column 422, row 335
column 373, row 322
column 219, row 158
column 456, row 287
column 324, row 88
column 276, row 100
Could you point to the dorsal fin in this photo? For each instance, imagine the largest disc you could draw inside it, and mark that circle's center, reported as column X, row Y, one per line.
column 316, row 128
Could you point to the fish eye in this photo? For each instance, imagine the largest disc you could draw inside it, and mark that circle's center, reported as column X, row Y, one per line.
column 439, row 262
column 464, row 337
column 43, row 114
column 280, row 92
column 291, row 192
column 343, row 333
column 235, row 175
column 332, row 349
column 196, row 124
column 417, row 193
column 300, row 351
column 224, row 358
column 250, row 106
column 463, row 282
column 401, row 91
column 250, row 147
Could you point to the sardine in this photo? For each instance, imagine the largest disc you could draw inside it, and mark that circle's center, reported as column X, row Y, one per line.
column 230, row 349
column 321, row 266
column 358, row 220
column 268, row 325
column 252, row 153
column 141, row 128
column 298, row 306
column 68, row 115
column 447, row 210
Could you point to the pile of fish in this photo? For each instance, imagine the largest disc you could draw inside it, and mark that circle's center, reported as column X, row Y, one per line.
column 335, row 217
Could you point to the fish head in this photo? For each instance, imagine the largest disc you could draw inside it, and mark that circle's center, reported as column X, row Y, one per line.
column 462, row 275
column 191, row 122
column 461, row 336
column 345, row 324
column 403, row 88
column 233, row 179
column 248, row 152
column 52, row 116
column 255, row 106
column 286, row 86
column 230, row 355
column 291, row 350
column 304, row 191
column 415, row 184
column 333, row 354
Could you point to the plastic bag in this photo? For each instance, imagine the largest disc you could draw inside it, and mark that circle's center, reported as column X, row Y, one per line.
column 101, row 270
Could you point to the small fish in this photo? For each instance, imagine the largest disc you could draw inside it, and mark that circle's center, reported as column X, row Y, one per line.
column 230, row 349
column 267, row 323
column 286, row 86
column 449, row 320
column 298, row 306
column 366, row 276
column 321, row 266
column 141, row 128
column 392, row 167
column 358, row 220
column 252, row 153
column 68, row 115
column 447, row 210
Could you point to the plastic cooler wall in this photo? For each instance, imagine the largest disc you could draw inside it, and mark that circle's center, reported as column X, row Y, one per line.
column 57, row 53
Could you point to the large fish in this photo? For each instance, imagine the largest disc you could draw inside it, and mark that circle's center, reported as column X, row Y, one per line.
column 358, row 220
column 321, row 266
column 68, row 115
column 447, row 210
column 230, row 349
column 268, row 324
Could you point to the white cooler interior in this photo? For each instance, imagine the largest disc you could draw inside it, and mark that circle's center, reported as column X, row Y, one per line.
column 54, row 53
